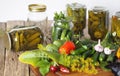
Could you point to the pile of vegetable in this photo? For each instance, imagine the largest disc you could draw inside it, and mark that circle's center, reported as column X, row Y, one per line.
column 67, row 55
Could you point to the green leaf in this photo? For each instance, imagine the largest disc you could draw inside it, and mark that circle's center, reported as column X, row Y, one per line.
column 53, row 55
column 44, row 67
column 31, row 57
column 41, row 47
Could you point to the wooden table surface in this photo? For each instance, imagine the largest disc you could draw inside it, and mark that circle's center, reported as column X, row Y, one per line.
column 9, row 63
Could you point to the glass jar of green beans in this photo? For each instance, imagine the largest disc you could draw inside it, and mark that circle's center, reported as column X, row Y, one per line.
column 115, row 27
column 77, row 12
column 98, row 23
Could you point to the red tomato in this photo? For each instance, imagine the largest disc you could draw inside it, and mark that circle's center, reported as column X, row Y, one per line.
column 67, row 47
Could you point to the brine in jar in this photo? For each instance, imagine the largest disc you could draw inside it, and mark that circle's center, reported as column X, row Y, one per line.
column 98, row 23
column 77, row 12
column 25, row 38
column 115, row 27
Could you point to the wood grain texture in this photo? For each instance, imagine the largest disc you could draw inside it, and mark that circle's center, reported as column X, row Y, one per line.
column 2, row 49
column 100, row 73
column 12, row 65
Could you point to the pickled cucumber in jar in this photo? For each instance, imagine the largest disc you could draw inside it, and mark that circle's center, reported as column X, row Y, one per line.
column 115, row 27
column 98, row 23
column 77, row 12
column 25, row 38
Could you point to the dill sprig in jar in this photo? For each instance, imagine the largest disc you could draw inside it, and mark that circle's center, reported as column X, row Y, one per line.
column 98, row 23
column 77, row 12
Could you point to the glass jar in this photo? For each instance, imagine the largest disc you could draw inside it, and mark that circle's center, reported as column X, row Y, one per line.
column 62, row 29
column 37, row 16
column 77, row 12
column 25, row 38
column 98, row 23
column 115, row 27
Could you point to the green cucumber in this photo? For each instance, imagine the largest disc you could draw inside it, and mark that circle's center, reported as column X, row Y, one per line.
column 92, row 52
column 56, row 32
column 87, row 53
column 95, row 56
column 111, row 57
column 52, row 48
column 102, row 57
column 78, row 51
column 63, row 34
column 69, row 35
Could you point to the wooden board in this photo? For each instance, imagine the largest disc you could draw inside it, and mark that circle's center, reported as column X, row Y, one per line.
column 100, row 73
column 2, row 49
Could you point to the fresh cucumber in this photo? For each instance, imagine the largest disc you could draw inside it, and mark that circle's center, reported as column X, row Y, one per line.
column 92, row 52
column 56, row 32
column 78, row 51
column 63, row 34
column 102, row 57
column 69, row 35
column 87, row 53
column 95, row 56
column 111, row 57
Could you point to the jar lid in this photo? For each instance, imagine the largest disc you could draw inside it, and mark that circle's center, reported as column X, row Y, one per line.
column 76, row 6
column 7, row 41
column 37, row 7
column 99, row 8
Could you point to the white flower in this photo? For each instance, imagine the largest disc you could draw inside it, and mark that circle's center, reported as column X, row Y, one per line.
column 99, row 47
column 107, row 51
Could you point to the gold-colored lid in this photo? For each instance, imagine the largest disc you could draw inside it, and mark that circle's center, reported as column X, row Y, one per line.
column 37, row 7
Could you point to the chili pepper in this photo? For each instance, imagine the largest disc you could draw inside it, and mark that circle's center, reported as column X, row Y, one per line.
column 118, row 53
column 67, row 47
column 64, row 69
column 54, row 68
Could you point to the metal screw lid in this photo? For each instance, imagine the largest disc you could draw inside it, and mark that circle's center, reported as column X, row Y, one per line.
column 37, row 7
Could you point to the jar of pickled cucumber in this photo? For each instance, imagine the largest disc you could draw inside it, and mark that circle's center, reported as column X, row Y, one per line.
column 61, row 27
column 37, row 16
column 77, row 12
column 115, row 27
column 25, row 38
column 98, row 23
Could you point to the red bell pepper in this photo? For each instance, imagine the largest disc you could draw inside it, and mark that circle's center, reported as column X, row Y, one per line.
column 67, row 47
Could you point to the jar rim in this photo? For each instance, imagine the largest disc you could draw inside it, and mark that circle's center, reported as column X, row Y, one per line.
column 37, row 7
column 76, row 5
column 99, row 8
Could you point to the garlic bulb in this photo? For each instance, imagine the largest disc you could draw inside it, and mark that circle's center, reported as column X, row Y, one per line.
column 99, row 47
column 107, row 51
